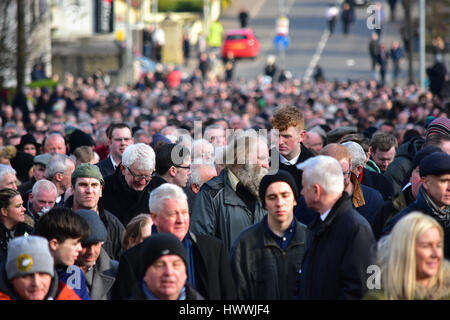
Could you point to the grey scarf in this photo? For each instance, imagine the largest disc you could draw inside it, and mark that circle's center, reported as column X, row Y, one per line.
column 442, row 214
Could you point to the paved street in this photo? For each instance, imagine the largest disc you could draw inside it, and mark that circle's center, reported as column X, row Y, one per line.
column 341, row 58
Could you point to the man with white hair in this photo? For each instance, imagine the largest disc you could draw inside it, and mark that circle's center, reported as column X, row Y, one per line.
column 8, row 177
column 40, row 200
column 230, row 202
column 126, row 192
column 55, row 143
column 369, row 178
column 201, row 173
column 216, row 135
column 208, row 266
column 59, row 171
column 202, row 151
column 341, row 243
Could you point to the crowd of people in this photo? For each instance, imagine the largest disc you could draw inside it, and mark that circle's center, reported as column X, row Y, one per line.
column 223, row 190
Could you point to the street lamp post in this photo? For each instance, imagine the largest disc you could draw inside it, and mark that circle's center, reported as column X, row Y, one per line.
column 422, row 13
column 129, row 52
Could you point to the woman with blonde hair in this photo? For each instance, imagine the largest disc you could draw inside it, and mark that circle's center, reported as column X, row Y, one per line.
column 139, row 228
column 411, row 261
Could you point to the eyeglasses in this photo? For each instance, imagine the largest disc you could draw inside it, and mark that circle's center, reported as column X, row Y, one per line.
column 138, row 177
column 347, row 173
column 182, row 167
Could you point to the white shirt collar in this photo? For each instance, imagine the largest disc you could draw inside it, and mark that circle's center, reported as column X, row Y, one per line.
column 113, row 163
column 291, row 162
column 325, row 215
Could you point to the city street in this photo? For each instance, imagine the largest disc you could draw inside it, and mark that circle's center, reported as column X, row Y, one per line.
column 340, row 57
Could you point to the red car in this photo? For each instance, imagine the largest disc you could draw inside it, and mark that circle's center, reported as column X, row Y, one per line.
column 242, row 43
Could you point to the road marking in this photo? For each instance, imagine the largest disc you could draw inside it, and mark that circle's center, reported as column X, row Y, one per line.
column 321, row 45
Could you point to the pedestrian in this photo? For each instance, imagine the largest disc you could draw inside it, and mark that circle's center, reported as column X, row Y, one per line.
column 347, row 18
column 159, row 40
column 164, row 277
column 139, row 228
column 392, row 7
column 8, row 177
column 383, row 57
column 126, row 192
column 290, row 123
column 266, row 257
column 99, row 269
column 186, row 48
column 383, row 147
column 119, row 137
column 437, row 75
column 397, row 56
column 229, row 202
column 331, row 14
column 41, row 199
column 65, row 230
column 200, row 174
column 12, row 219
column 411, row 261
column 432, row 198
column 88, row 185
column 270, row 68
column 208, row 266
column 59, row 170
column 29, row 273
column 243, row 17
column 328, row 272
column 374, row 50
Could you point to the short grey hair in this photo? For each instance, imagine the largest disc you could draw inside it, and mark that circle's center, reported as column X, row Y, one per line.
column 166, row 191
column 59, row 163
column 141, row 153
column 325, row 171
column 195, row 177
column 5, row 169
column 196, row 148
column 357, row 153
column 44, row 185
column 241, row 146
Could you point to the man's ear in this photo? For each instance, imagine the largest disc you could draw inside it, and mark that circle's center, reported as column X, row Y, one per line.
column 172, row 171
column 59, row 176
column 303, row 135
column 122, row 168
column 53, row 244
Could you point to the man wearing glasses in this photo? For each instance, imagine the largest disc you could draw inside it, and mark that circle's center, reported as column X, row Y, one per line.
column 119, row 137
column 126, row 192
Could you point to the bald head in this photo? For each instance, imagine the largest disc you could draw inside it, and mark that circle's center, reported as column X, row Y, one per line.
column 336, row 151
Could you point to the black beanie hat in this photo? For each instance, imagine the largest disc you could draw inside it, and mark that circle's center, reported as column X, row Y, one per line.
column 161, row 244
column 268, row 179
column 79, row 138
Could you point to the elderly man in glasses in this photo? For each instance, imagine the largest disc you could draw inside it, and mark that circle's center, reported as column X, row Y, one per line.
column 126, row 192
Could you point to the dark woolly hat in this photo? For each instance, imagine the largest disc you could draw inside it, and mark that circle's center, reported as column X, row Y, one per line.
column 439, row 125
column 422, row 153
column 437, row 163
column 161, row 244
column 282, row 176
column 98, row 231
column 22, row 163
column 79, row 138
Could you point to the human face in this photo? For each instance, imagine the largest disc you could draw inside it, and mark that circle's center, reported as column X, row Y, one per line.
column 166, row 277
column 14, row 213
column 438, row 188
column 182, row 173
column 314, row 142
column 89, row 254
column 383, row 159
column 9, row 181
column 173, row 218
column 55, row 144
column 120, row 139
column 86, row 193
column 30, row 149
column 39, row 172
column 42, row 199
column 429, row 253
column 66, row 180
column 346, row 170
column 280, row 203
column 415, row 181
column 33, row 286
column 65, row 253
column 289, row 143
column 216, row 137
column 136, row 179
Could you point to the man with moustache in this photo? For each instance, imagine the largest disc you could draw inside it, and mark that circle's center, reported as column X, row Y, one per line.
column 229, row 202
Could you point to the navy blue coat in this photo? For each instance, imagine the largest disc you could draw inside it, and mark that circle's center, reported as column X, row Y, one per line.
column 379, row 182
column 337, row 256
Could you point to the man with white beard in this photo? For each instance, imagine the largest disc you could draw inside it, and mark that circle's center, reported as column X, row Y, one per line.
column 230, row 202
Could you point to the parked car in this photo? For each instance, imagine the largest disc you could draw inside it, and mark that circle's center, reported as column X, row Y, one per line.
column 241, row 42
